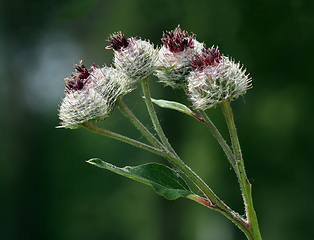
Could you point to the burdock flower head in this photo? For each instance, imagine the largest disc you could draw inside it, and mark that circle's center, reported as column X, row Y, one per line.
column 214, row 78
column 90, row 96
column 134, row 57
column 175, row 54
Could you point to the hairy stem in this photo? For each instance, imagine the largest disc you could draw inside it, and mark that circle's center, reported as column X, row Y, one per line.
column 212, row 201
column 245, row 185
column 231, row 215
column 129, row 114
column 92, row 127
column 215, row 202
column 153, row 116
column 220, row 139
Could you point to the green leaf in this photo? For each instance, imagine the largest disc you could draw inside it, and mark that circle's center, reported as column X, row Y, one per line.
column 163, row 179
column 173, row 105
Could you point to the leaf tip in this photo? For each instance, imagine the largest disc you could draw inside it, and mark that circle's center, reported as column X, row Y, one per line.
column 93, row 160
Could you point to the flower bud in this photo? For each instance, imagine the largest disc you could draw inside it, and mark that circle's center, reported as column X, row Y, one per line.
column 134, row 57
column 215, row 78
column 91, row 96
column 178, row 47
column 111, row 82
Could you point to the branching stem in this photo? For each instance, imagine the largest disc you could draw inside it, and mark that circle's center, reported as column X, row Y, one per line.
column 153, row 116
column 245, row 185
column 129, row 114
column 92, row 127
column 206, row 120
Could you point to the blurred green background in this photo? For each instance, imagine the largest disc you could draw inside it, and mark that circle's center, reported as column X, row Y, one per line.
column 49, row 192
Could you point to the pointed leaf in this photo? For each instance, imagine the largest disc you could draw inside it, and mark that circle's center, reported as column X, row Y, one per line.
column 173, row 105
column 163, row 179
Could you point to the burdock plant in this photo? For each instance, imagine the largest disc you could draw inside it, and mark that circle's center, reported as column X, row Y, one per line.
column 208, row 78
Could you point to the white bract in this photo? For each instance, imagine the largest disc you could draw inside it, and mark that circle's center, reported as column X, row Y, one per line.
column 137, row 60
column 82, row 106
column 176, row 65
column 212, row 84
column 95, row 100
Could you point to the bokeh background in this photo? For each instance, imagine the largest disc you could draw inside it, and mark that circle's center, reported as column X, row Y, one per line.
column 48, row 191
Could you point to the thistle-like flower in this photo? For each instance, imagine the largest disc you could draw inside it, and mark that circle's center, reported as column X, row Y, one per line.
column 91, row 96
column 175, row 54
column 214, row 78
column 134, row 57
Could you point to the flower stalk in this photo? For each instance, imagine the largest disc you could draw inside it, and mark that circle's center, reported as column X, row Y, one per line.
column 245, row 185
column 206, row 120
column 212, row 200
column 231, row 215
column 92, row 127
column 129, row 114
column 153, row 116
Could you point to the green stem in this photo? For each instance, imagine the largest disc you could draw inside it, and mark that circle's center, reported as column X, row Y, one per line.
column 245, row 185
column 154, row 117
column 129, row 114
column 215, row 202
column 92, row 127
column 169, row 156
column 212, row 200
column 220, row 139
column 231, row 215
